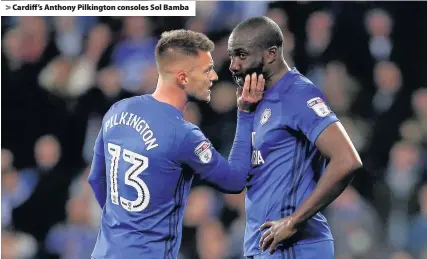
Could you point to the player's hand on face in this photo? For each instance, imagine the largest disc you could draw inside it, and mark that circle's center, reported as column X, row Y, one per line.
column 278, row 231
column 251, row 92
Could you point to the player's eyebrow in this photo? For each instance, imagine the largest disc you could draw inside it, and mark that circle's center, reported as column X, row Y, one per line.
column 210, row 67
column 237, row 50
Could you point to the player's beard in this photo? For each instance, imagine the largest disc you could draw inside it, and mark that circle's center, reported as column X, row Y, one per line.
column 200, row 96
column 257, row 67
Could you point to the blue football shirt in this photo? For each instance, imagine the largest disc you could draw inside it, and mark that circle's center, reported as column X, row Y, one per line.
column 285, row 162
column 138, row 179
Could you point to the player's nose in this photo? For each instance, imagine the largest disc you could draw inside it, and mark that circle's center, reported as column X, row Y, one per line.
column 234, row 66
column 214, row 76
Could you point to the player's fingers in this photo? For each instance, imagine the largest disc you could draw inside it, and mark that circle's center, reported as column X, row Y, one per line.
column 273, row 246
column 257, row 90
column 266, row 242
column 246, row 86
column 266, row 225
column 266, row 234
column 260, row 83
column 253, row 83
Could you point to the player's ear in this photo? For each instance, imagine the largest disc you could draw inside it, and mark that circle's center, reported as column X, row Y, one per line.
column 182, row 78
column 271, row 54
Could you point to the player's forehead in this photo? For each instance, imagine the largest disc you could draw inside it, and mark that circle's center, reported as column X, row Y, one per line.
column 241, row 41
column 205, row 58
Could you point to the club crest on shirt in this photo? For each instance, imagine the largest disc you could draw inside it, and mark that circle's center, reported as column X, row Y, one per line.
column 265, row 116
column 318, row 106
column 204, row 152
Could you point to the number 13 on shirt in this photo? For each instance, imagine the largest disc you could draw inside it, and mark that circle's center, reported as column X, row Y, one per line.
column 138, row 164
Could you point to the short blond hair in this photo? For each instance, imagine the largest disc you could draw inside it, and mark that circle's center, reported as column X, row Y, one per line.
column 184, row 42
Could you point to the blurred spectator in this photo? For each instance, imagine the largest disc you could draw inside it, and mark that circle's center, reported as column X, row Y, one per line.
column 17, row 245
column 47, row 152
column 339, row 88
column 248, row 9
column 80, row 188
column 16, row 188
column 192, row 113
column 69, row 36
column 237, row 228
column 411, row 131
column 379, row 25
column 220, row 55
column 319, row 33
column 83, row 73
column 12, row 46
column 280, row 17
column 97, row 46
column 211, row 240
column 223, row 97
column 197, row 23
column 226, row 14
column 355, row 226
column 6, row 159
column 55, row 77
column 400, row 255
column 35, row 37
column 201, row 206
column 221, row 107
column 419, row 106
column 47, row 196
column 417, row 242
column 109, row 82
column 417, row 131
column 317, row 47
column 75, row 238
column 149, row 80
column 135, row 53
column 204, row 9
column 388, row 80
column 402, row 176
column 73, row 77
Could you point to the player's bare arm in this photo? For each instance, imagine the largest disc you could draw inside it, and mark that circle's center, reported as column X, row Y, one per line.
column 345, row 162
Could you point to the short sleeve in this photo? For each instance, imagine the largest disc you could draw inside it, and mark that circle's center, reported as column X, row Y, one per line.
column 310, row 112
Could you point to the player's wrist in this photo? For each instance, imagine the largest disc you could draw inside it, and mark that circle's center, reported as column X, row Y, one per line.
column 246, row 106
column 295, row 221
column 245, row 110
column 245, row 115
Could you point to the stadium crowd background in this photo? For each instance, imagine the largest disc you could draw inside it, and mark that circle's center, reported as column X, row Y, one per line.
column 61, row 74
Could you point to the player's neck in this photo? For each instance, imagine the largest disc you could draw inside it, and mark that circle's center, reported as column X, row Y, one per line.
column 280, row 71
column 171, row 95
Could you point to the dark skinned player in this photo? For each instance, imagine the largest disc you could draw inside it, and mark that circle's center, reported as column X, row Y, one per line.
column 294, row 134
